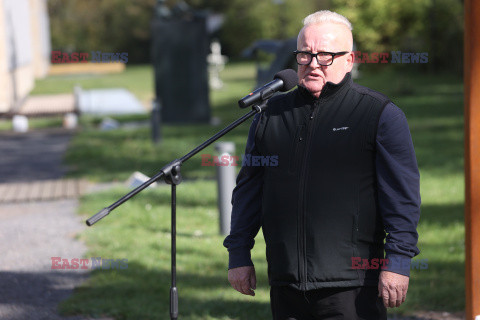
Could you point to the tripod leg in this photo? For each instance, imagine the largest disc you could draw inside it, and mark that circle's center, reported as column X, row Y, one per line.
column 173, row 289
column 173, row 303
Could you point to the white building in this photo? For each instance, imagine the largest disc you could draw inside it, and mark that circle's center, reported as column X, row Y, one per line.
column 24, row 49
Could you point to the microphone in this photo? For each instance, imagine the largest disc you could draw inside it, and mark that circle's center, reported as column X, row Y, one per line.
column 283, row 81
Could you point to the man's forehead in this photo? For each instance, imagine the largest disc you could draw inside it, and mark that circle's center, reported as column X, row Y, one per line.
column 335, row 29
column 327, row 32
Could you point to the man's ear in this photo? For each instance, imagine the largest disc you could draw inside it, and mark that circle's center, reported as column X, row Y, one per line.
column 349, row 61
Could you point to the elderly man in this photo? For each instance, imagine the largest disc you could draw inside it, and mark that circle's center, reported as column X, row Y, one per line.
column 346, row 176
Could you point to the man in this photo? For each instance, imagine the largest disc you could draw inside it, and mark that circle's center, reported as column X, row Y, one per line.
column 346, row 176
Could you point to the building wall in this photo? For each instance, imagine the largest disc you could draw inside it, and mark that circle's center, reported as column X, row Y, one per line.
column 24, row 49
column 4, row 82
column 41, row 37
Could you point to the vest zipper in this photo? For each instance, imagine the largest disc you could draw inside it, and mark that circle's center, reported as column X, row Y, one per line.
column 302, row 206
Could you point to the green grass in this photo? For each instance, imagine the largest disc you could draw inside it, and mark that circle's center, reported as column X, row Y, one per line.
column 34, row 123
column 137, row 79
column 139, row 230
column 112, row 155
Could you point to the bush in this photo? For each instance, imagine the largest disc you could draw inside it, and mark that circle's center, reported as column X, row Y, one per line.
column 433, row 26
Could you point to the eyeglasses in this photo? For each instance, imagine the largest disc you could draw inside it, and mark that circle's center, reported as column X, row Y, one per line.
column 304, row 58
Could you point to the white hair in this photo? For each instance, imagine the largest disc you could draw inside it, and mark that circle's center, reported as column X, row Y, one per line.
column 326, row 16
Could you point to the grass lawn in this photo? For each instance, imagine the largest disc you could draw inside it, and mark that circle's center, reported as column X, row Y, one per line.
column 112, row 155
column 139, row 230
column 33, row 123
column 137, row 79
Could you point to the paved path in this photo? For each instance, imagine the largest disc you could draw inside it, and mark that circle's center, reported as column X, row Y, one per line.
column 33, row 156
column 32, row 233
column 42, row 190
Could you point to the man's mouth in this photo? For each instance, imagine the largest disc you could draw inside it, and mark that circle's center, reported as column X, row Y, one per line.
column 314, row 75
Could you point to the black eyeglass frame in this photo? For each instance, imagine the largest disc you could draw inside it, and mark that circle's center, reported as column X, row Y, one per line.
column 333, row 54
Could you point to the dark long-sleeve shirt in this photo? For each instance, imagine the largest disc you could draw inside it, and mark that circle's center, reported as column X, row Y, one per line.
column 398, row 195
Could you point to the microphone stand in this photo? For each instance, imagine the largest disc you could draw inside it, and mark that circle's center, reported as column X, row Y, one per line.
column 171, row 174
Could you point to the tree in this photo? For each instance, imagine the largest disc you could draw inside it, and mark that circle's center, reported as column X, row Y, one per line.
column 250, row 20
column 433, row 26
column 107, row 26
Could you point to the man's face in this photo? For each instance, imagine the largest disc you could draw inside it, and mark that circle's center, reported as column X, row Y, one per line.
column 326, row 37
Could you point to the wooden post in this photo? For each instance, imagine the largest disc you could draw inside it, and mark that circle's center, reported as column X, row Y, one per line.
column 472, row 157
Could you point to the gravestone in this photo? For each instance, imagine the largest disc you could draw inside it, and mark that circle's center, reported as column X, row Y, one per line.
column 179, row 56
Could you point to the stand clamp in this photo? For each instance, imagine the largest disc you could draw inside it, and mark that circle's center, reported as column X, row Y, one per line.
column 172, row 174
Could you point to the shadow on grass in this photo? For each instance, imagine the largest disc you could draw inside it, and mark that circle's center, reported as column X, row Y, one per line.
column 437, row 287
column 141, row 293
column 443, row 215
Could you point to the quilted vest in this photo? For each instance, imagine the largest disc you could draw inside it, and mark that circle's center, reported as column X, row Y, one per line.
column 319, row 208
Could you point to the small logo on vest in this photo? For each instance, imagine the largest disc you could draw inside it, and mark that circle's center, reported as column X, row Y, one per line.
column 340, row 129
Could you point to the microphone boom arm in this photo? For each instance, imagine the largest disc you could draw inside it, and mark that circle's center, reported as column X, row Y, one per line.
column 166, row 170
column 171, row 175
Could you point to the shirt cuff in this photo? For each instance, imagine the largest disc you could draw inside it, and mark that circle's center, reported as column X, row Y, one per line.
column 398, row 263
column 239, row 257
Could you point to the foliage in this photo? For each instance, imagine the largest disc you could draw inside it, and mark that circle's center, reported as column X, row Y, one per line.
column 251, row 20
column 124, row 26
column 107, row 26
column 433, row 26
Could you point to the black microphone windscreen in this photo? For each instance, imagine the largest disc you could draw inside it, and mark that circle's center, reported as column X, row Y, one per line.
column 289, row 78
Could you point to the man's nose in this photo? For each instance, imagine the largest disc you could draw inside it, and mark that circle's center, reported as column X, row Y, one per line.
column 314, row 63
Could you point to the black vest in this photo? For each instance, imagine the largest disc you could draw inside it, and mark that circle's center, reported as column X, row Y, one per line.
column 319, row 206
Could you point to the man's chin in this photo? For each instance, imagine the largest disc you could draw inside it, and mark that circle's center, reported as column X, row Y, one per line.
column 315, row 89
